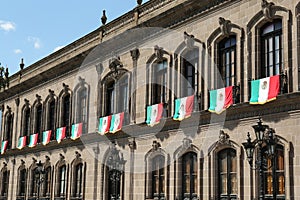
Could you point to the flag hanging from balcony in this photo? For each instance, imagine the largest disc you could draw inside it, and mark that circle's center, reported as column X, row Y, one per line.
column 220, row 99
column 116, row 122
column 183, row 108
column 4, row 146
column 76, row 131
column 33, row 140
column 22, row 142
column 60, row 134
column 154, row 114
column 104, row 125
column 46, row 137
column 264, row 90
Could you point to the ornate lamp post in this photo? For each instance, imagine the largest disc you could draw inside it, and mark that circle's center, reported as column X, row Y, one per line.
column 39, row 172
column 115, row 165
column 265, row 139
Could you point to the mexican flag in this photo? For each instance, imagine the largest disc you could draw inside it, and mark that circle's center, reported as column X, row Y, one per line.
column 154, row 114
column 264, row 90
column 46, row 137
column 183, row 108
column 4, row 146
column 104, row 124
column 60, row 134
column 22, row 142
column 220, row 99
column 33, row 140
column 76, row 131
column 116, row 122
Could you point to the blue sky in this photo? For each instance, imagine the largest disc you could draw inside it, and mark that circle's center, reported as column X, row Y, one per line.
column 33, row 29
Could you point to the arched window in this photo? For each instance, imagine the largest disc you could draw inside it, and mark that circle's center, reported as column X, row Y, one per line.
column 26, row 124
column 271, row 49
column 38, row 121
column 82, row 108
column 227, row 174
column 189, row 73
column 78, row 181
column 274, row 182
column 61, row 182
column 158, row 177
column 66, row 105
column 22, row 184
column 4, row 183
column 189, row 175
column 227, row 62
column 8, row 128
column 159, row 82
column 33, row 181
column 117, row 100
column 46, row 182
column 51, row 118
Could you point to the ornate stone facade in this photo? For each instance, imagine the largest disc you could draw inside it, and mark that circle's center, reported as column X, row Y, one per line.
column 174, row 49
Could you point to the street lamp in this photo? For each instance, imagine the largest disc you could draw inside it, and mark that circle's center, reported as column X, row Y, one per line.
column 265, row 138
column 39, row 172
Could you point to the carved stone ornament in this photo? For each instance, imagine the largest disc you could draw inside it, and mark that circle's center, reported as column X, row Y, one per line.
column 159, row 52
column 26, row 103
column 77, row 154
column 223, row 138
column 61, row 157
column 267, row 9
column 186, row 143
column 225, row 26
column 17, row 101
column 155, row 145
column 135, row 53
column 115, row 64
column 66, row 87
column 132, row 145
column 189, row 40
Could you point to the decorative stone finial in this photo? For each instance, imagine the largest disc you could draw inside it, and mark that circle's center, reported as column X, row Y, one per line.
column 22, row 64
column 139, row 2
column 267, row 9
column 103, row 18
column 225, row 26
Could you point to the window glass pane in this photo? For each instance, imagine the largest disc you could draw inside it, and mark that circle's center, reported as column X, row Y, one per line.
column 268, row 29
column 233, row 183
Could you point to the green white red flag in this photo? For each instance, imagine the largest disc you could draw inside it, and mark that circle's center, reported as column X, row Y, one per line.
column 154, row 114
column 104, row 124
column 76, row 131
column 4, row 146
column 116, row 122
column 183, row 107
column 264, row 90
column 21, row 142
column 220, row 99
column 46, row 137
column 33, row 140
column 60, row 134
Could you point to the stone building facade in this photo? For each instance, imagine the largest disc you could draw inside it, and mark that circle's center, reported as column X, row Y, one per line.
column 160, row 51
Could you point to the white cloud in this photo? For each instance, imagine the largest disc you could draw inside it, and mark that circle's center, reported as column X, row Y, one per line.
column 7, row 26
column 36, row 42
column 17, row 51
column 58, row 48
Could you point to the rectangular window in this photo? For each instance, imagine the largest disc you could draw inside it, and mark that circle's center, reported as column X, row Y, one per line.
column 159, row 82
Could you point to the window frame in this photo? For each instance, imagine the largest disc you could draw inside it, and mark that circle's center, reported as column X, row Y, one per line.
column 229, row 153
column 191, row 173
column 66, row 113
column 273, row 172
column 265, row 66
column 8, row 129
column 160, row 174
column 190, row 59
column 225, row 65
